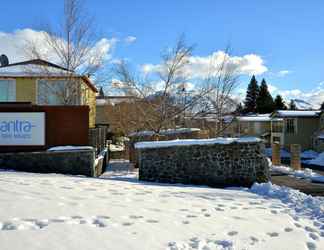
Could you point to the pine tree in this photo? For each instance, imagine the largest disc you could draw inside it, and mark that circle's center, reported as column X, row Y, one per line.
column 292, row 105
column 251, row 96
column 264, row 100
column 279, row 103
column 322, row 106
column 101, row 92
column 239, row 109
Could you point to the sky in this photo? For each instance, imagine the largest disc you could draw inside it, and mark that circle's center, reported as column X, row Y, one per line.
column 281, row 41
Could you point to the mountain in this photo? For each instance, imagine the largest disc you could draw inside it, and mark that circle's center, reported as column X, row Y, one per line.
column 303, row 105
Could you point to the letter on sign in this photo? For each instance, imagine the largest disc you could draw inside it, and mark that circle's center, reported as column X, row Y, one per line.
column 22, row 129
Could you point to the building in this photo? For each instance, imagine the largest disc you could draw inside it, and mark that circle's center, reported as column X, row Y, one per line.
column 44, row 83
column 255, row 125
column 296, row 127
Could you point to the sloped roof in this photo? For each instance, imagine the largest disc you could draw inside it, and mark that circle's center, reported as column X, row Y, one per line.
column 41, row 68
column 296, row 113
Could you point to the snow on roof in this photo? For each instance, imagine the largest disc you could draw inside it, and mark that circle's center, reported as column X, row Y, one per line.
column 69, row 148
column 297, row 113
column 165, row 132
column 189, row 142
column 32, row 70
column 257, row 118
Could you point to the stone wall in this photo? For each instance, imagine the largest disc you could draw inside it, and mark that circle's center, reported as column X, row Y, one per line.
column 64, row 162
column 177, row 134
column 234, row 164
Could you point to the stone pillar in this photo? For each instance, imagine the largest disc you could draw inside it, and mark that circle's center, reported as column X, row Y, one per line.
column 295, row 156
column 276, row 158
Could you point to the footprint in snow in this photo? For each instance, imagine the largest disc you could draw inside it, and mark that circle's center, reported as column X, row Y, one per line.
column 313, row 236
column 185, row 222
column 127, row 224
column 232, row 233
column 191, row 216
column 311, row 246
column 152, row 221
column 253, row 240
column 219, row 209
column 288, row 229
column 136, row 217
column 273, row 234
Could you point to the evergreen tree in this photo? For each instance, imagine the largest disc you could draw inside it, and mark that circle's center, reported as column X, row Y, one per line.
column 279, row 103
column 101, row 92
column 251, row 96
column 264, row 100
column 292, row 105
column 322, row 106
column 239, row 109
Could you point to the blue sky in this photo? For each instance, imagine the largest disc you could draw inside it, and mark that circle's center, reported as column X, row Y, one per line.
column 288, row 35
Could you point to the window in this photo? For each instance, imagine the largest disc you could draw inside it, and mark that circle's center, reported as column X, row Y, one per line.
column 7, row 90
column 291, row 126
column 57, row 92
column 277, row 126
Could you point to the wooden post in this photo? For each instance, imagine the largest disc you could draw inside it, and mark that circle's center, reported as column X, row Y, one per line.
column 276, row 158
column 295, row 156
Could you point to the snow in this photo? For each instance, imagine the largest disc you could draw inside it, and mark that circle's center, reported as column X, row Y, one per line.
column 305, row 173
column 309, row 154
column 50, row 211
column 164, row 132
column 297, row 113
column 116, row 147
column 69, row 148
column 188, row 142
column 319, row 160
column 255, row 118
column 32, row 70
column 301, row 104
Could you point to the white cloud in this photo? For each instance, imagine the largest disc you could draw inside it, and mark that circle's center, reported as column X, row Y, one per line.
column 283, row 73
column 314, row 96
column 130, row 39
column 14, row 45
column 202, row 67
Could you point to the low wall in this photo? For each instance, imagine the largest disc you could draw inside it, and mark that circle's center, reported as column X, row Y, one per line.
column 80, row 162
column 213, row 162
column 165, row 135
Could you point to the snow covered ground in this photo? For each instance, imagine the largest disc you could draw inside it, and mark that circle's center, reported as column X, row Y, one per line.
column 49, row 211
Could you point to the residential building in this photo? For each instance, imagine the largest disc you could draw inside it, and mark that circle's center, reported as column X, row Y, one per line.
column 44, row 83
column 296, row 127
column 258, row 125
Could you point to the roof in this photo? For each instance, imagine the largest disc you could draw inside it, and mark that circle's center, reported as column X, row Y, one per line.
column 296, row 113
column 258, row 118
column 41, row 68
column 255, row 118
column 113, row 100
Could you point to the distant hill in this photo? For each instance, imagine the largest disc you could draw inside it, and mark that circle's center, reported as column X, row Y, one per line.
column 303, row 105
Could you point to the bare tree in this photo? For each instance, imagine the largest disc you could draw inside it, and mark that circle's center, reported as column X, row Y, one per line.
column 71, row 46
column 171, row 104
column 157, row 105
column 220, row 83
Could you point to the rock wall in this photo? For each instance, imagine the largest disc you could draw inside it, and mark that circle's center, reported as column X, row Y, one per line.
column 65, row 162
column 180, row 134
column 233, row 164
